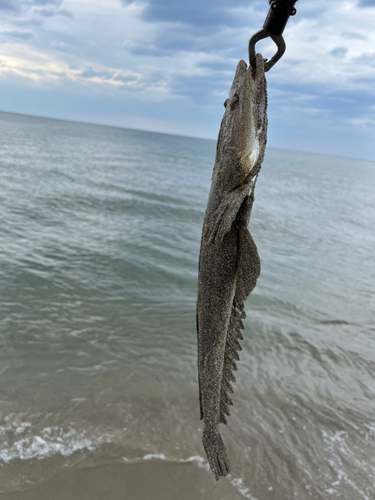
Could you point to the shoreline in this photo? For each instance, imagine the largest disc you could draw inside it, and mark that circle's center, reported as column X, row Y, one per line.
column 150, row 479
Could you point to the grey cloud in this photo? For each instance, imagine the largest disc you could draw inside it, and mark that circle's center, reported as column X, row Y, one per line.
column 214, row 13
column 46, row 12
column 25, row 35
column 353, row 36
column 59, row 45
column 7, row 5
column 49, row 12
column 368, row 59
column 366, row 3
column 57, row 3
column 65, row 13
column 339, row 52
column 198, row 29
column 168, row 43
column 181, row 39
column 217, row 66
column 16, row 5
column 147, row 49
column 28, row 22
column 200, row 88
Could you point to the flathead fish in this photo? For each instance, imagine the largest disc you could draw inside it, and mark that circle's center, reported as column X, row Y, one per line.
column 229, row 264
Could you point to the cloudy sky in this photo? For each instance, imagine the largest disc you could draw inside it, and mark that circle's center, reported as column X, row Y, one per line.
column 167, row 66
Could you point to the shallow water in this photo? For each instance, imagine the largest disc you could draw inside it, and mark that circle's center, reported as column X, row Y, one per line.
column 99, row 245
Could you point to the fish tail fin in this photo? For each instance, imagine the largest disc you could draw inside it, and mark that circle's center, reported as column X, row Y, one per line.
column 216, row 452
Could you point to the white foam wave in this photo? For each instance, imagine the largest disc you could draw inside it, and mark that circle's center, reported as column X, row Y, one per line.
column 20, row 440
column 241, row 488
column 156, row 456
column 203, row 464
column 22, row 443
column 339, row 452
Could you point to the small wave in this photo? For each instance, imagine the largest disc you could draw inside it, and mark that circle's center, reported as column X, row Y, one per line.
column 157, row 456
column 338, row 451
column 21, row 443
column 201, row 463
column 241, row 488
column 335, row 322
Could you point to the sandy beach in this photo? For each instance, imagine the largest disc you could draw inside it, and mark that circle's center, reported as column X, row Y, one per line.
column 141, row 481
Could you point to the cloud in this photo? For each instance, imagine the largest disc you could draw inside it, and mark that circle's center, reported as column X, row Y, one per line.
column 351, row 35
column 364, row 122
column 45, row 12
column 58, row 45
column 39, row 67
column 339, row 52
column 7, row 5
column 215, row 12
column 366, row 59
column 18, row 5
column 366, row 3
column 91, row 73
column 56, row 3
column 25, row 35
column 184, row 54
column 65, row 13
column 27, row 22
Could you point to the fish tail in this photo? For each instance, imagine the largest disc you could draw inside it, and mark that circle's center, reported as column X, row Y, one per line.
column 216, row 452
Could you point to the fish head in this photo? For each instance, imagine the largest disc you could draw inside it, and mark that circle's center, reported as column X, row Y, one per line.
column 243, row 132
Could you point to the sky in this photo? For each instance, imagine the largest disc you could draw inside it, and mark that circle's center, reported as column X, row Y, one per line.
column 167, row 66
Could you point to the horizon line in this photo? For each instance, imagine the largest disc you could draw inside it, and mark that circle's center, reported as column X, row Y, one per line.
column 174, row 135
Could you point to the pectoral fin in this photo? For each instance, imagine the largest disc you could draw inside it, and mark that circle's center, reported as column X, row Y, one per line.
column 221, row 220
column 248, row 270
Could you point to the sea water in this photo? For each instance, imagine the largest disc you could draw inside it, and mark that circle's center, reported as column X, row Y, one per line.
column 99, row 242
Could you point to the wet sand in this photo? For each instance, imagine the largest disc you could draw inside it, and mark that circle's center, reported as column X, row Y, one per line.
column 151, row 480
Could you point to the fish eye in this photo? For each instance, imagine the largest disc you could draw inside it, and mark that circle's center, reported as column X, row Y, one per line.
column 234, row 101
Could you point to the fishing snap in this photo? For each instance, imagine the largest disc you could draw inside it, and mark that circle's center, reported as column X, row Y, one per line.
column 260, row 35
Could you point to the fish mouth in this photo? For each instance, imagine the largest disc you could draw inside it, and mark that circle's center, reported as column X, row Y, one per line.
column 257, row 69
column 252, row 72
column 245, row 116
column 257, row 74
column 259, row 102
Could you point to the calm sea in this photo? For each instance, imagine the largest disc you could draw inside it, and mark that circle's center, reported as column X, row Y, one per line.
column 99, row 242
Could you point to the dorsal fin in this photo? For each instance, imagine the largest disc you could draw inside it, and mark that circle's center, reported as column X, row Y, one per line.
column 233, row 336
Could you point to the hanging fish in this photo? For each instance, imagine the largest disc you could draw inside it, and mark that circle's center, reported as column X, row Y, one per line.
column 229, row 264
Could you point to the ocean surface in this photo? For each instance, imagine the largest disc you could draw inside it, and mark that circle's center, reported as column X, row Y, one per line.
column 99, row 239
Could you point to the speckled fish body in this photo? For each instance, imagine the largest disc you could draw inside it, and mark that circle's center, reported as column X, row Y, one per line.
column 229, row 265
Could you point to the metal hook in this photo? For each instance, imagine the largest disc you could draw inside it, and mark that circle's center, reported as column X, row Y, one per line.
column 273, row 27
column 279, row 41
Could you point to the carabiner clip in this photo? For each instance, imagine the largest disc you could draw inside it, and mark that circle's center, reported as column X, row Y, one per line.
column 273, row 27
column 279, row 41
